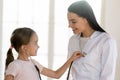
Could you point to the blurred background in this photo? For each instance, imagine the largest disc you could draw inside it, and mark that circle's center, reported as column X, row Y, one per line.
column 49, row 19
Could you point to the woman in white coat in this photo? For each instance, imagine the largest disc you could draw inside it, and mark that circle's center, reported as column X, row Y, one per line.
column 95, row 43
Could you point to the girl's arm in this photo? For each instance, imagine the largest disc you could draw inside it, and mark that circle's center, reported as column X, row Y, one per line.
column 58, row 73
column 9, row 77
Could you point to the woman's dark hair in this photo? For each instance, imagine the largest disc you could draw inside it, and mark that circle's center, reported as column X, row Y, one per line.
column 83, row 9
column 20, row 36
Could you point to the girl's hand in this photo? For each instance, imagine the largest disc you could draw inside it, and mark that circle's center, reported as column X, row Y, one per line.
column 76, row 54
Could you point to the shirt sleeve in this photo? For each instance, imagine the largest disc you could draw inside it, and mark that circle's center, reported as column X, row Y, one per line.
column 73, row 45
column 69, row 48
column 109, row 56
column 12, row 69
column 38, row 65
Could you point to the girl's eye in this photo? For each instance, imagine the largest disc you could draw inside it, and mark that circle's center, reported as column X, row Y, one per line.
column 73, row 22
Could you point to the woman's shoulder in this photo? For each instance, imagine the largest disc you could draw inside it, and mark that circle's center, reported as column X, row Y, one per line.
column 106, row 37
column 102, row 35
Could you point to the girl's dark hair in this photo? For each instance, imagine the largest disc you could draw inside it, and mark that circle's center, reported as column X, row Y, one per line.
column 83, row 9
column 20, row 36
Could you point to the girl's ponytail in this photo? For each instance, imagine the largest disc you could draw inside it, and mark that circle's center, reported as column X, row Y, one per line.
column 9, row 58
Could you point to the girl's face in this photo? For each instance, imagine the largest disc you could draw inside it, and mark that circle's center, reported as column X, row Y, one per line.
column 76, row 23
column 32, row 46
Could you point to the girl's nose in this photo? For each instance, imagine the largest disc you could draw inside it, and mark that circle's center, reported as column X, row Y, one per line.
column 38, row 46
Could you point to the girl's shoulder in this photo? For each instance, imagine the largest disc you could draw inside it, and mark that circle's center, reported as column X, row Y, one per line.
column 38, row 64
column 14, row 64
column 12, row 67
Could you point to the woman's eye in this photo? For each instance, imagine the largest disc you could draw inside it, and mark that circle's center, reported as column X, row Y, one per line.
column 35, row 42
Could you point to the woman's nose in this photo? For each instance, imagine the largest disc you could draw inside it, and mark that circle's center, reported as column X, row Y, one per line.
column 70, row 25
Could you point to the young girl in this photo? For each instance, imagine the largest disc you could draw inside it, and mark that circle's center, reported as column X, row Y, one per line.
column 25, row 42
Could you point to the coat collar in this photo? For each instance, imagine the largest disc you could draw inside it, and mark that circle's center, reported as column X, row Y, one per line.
column 95, row 34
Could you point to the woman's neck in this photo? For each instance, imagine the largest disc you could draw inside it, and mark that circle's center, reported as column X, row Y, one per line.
column 87, row 33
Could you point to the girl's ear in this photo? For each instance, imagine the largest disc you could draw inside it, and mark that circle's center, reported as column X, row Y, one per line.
column 23, row 48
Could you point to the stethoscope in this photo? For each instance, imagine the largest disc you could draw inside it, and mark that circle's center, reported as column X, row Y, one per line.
column 69, row 71
column 36, row 68
column 38, row 71
column 72, row 61
column 34, row 65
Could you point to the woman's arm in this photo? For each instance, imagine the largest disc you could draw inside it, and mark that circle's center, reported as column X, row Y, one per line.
column 58, row 73
column 109, row 57
column 9, row 77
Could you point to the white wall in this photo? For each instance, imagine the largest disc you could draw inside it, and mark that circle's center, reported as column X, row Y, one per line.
column 1, row 69
column 112, row 25
column 1, row 62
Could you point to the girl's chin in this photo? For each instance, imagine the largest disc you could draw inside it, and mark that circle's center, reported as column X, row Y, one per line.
column 34, row 55
column 76, row 32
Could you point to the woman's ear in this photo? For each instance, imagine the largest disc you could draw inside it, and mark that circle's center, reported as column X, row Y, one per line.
column 85, row 20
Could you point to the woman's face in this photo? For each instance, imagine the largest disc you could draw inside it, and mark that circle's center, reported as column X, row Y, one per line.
column 76, row 23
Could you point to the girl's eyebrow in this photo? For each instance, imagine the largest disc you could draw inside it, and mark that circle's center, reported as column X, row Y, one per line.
column 72, row 20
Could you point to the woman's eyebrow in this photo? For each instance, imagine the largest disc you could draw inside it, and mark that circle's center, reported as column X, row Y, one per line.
column 72, row 20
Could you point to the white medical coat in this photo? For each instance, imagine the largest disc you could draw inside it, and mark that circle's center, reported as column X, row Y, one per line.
column 100, row 61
